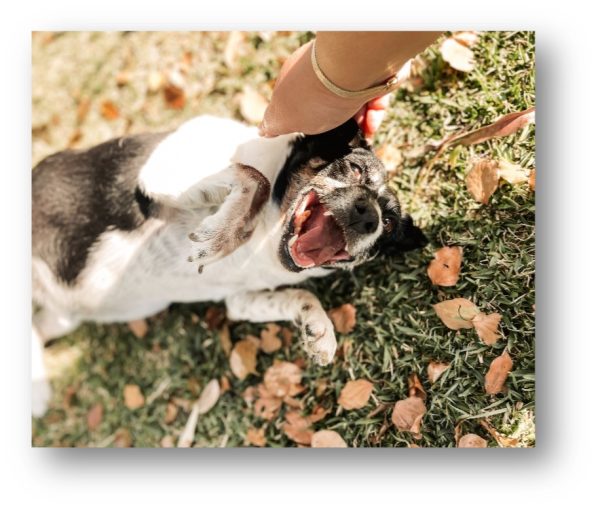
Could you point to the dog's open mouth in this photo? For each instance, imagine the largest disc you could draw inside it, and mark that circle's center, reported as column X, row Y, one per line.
column 317, row 239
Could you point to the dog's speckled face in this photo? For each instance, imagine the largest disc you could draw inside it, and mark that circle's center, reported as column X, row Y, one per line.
column 338, row 210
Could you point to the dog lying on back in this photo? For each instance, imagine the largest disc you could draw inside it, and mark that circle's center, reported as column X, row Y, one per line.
column 207, row 212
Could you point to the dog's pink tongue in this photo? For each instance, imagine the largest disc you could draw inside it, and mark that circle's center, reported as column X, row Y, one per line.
column 321, row 239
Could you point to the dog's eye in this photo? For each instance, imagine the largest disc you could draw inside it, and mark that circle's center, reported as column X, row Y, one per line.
column 388, row 224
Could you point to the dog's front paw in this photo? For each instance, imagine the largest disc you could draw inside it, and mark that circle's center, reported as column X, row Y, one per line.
column 319, row 340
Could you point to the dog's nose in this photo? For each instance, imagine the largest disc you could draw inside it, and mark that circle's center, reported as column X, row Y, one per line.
column 364, row 218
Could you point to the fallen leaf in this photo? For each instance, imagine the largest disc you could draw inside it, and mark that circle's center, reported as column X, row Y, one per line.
column 94, row 417
column 283, row 379
column 497, row 374
column 269, row 341
column 456, row 313
column 435, row 370
column 123, row 438
column 343, row 318
column 243, row 357
column 467, row 38
column 415, row 388
column 408, row 413
column 225, row 339
column 225, row 384
column 482, row 180
column 532, row 180
column 318, row 413
column 445, row 267
column 167, row 442
column 214, row 317
column 252, row 105
column 174, row 96
column 390, row 156
column 109, row 110
column 250, row 394
column 503, row 441
column 138, row 327
column 256, row 437
column 134, row 398
column 83, row 108
column 206, row 401
column 327, row 439
column 234, row 48
column 75, row 137
column 287, row 335
column 297, row 428
column 472, row 441
column 155, row 81
column 321, row 387
column 457, row 55
column 487, row 327
column 266, row 406
column 171, row 413
column 355, row 394
column 512, row 173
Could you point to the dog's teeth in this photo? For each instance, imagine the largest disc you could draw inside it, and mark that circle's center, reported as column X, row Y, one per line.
column 327, row 214
column 293, row 240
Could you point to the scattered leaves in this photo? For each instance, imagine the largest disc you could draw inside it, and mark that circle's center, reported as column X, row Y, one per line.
column 327, row 439
column 94, row 417
column 225, row 384
column 343, row 318
column 532, row 179
column 415, row 388
column 225, row 339
column 155, row 82
column 134, row 398
column 243, row 357
column 266, row 406
column 252, row 105
column 435, row 370
column 283, row 379
column 355, row 394
column 408, row 413
column 497, row 374
column 445, row 267
column 83, row 108
column 486, row 327
column 123, row 438
column 214, row 317
column 167, row 442
column 109, row 110
column 456, row 313
column 174, row 96
column 171, row 413
column 503, row 441
column 459, row 56
column 472, row 441
column 208, row 399
column 138, row 327
column 256, row 437
column 482, row 180
column 234, row 48
column 511, row 173
column 297, row 428
column 467, row 38
column 269, row 341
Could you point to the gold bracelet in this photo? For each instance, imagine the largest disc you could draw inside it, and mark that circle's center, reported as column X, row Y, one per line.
column 344, row 93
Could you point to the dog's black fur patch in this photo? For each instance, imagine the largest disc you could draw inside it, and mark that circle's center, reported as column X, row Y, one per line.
column 78, row 195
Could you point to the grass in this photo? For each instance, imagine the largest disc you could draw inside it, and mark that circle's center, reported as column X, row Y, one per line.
column 397, row 331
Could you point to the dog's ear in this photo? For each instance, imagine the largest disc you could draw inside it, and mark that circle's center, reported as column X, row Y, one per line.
column 406, row 237
column 338, row 142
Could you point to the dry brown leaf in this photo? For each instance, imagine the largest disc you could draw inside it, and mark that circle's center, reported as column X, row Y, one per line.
column 487, row 327
column 318, row 413
column 256, row 437
column 225, row 339
column 250, row 394
column 243, row 357
column 497, row 374
column 167, row 442
column 269, row 341
column 503, row 441
column 457, row 55
column 390, row 156
column 532, row 180
column 355, row 394
column 511, row 173
column 123, row 438
column 266, row 406
column 327, row 439
column 225, row 384
column 138, row 327
column 209, row 397
column 214, row 317
column 456, row 313
column 415, row 388
column 472, row 441
column 482, row 180
column 171, row 413
column 234, row 48
column 287, row 335
column 297, row 428
column 174, row 96
column 505, row 125
column 283, row 379
column 94, row 417
column 83, row 109
column 408, row 413
column 435, row 370
column 321, row 387
column 343, row 318
column 133, row 396
column 467, row 38
column 252, row 105
column 445, row 267
column 109, row 110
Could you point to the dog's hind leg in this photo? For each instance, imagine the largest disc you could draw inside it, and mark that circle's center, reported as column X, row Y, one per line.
column 299, row 306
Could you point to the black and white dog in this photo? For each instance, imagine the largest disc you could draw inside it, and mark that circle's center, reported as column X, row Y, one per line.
column 209, row 211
